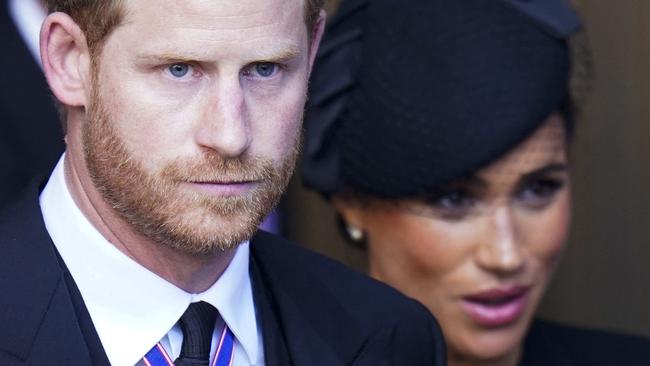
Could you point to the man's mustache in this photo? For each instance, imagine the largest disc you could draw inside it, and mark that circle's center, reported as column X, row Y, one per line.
column 213, row 168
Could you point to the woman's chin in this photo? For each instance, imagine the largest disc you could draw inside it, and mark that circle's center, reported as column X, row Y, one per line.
column 500, row 345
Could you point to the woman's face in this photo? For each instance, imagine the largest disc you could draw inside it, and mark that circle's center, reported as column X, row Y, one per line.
column 480, row 252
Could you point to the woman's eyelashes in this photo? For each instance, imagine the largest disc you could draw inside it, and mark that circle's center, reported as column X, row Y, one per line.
column 538, row 192
column 461, row 201
column 452, row 203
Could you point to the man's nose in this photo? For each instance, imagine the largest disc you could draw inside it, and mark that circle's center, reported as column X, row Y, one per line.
column 499, row 250
column 225, row 127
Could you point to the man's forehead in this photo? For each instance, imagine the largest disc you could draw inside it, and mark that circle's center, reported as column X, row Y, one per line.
column 216, row 14
column 269, row 27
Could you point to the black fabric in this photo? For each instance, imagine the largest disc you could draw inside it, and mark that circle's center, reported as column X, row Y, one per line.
column 31, row 139
column 554, row 16
column 553, row 344
column 331, row 315
column 276, row 351
column 333, row 80
column 91, row 338
column 407, row 96
column 314, row 311
column 197, row 324
column 39, row 321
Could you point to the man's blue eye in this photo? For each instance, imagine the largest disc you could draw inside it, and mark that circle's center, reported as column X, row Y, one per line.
column 179, row 70
column 265, row 69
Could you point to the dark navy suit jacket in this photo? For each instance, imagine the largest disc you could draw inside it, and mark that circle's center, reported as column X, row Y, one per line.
column 314, row 311
column 553, row 344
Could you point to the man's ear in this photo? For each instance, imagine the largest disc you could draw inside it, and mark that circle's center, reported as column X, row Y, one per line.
column 316, row 35
column 66, row 59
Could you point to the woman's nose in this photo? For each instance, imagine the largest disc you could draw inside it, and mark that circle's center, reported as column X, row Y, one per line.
column 499, row 250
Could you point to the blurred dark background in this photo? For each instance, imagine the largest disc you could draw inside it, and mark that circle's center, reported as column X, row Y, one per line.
column 604, row 279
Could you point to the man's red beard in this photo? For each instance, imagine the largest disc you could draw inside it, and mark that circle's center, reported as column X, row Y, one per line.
column 159, row 205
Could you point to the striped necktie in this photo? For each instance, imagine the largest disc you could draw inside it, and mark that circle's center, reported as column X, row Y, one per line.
column 197, row 324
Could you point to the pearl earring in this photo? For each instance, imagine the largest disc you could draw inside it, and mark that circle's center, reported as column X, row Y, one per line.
column 355, row 233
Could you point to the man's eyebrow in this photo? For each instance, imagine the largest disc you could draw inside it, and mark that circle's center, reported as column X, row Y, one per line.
column 169, row 57
column 280, row 55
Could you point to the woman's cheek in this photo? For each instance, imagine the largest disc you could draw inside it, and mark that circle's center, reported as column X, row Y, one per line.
column 549, row 233
column 424, row 249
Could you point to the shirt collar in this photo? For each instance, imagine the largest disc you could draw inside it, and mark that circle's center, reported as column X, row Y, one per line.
column 131, row 307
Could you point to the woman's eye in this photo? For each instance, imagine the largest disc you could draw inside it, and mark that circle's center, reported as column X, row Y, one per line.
column 265, row 69
column 179, row 70
column 540, row 192
column 452, row 204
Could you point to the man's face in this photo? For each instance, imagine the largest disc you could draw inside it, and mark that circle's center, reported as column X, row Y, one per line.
column 195, row 117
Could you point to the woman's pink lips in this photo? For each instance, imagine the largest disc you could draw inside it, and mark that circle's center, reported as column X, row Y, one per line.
column 496, row 307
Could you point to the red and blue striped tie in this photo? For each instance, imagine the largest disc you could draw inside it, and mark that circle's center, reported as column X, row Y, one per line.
column 197, row 324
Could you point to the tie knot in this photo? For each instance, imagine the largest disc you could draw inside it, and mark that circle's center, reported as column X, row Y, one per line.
column 197, row 324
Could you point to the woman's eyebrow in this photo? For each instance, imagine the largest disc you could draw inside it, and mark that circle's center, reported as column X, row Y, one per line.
column 472, row 181
column 550, row 168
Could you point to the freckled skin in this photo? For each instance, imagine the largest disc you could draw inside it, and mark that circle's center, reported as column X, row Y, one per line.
column 438, row 260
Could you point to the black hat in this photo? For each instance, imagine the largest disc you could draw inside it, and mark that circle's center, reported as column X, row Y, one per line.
column 409, row 95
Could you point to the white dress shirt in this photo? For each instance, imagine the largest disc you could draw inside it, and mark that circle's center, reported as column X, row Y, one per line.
column 131, row 307
column 28, row 16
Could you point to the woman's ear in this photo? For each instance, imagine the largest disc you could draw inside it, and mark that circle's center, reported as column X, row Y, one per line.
column 351, row 219
column 66, row 59
column 351, row 212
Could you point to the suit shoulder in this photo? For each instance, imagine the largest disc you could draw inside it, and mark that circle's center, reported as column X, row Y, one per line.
column 585, row 345
column 338, row 300
column 339, row 278
column 358, row 291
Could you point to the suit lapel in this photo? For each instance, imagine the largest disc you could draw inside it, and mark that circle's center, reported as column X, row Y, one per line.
column 276, row 352
column 316, row 329
column 91, row 338
column 39, row 325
